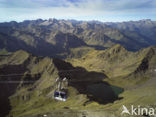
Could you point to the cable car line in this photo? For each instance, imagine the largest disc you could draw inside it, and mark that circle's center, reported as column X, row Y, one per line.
column 37, row 74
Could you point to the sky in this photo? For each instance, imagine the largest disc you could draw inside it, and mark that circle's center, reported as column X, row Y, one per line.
column 102, row 10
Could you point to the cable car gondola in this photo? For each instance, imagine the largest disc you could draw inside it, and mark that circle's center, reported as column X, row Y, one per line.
column 60, row 93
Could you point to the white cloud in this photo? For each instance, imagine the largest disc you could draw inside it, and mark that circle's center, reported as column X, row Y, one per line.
column 32, row 9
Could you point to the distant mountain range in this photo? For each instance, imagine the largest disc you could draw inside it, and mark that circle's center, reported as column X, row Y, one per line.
column 56, row 38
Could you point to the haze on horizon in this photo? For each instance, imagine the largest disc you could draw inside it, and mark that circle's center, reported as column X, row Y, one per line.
column 102, row 10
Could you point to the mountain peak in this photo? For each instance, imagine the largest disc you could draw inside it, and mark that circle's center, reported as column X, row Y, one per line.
column 53, row 20
column 116, row 49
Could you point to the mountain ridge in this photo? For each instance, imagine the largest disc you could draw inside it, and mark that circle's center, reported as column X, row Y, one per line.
column 33, row 78
column 116, row 56
column 38, row 36
column 95, row 71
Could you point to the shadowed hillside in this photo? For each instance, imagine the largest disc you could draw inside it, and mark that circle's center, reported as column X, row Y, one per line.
column 100, row 81
column 30, row 84
column 117, row 61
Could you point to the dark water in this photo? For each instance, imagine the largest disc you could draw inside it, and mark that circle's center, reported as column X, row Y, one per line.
column 103, row 93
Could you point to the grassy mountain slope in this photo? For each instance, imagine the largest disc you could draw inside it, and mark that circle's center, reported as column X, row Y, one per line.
column 30, row 83
column 96, row 82
column 133, row 71
column 115, row 61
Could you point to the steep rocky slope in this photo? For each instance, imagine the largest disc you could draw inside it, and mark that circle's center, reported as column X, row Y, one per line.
column 100, row 82
column 30, row 82
column 135, row 72
column 117, row 61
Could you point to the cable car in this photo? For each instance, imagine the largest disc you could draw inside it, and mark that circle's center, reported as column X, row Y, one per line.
column 59, row 95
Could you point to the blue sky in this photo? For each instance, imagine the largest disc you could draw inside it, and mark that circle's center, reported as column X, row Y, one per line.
column 102, row 10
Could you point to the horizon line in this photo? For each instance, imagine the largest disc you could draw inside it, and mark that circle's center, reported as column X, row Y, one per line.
column 78, row 20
